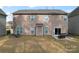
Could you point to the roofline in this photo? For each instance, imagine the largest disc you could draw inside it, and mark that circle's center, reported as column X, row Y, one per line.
column 64, row 13
column 72, row 15
column 3, row 14
column 39, row 14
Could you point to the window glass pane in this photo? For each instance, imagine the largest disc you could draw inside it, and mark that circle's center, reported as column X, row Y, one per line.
column 46, row 17
column 32, row 17
column 65, row 18
column 57, row 31
column 17, row 32
column 46, row 30
column 32, row 30
column 18, row 29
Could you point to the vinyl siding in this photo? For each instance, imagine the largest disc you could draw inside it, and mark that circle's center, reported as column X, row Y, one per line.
column 2, row 25
column 74, row 25
column 54, row 20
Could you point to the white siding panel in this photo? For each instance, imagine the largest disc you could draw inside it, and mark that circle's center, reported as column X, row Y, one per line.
column 2, row 25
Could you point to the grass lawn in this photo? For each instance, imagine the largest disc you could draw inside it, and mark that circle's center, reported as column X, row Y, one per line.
column 37, row 44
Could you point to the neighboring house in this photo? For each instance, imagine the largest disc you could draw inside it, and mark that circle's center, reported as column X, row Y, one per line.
column 73, row 22
column 40, row 22
column 2, row 23
column 9, row 27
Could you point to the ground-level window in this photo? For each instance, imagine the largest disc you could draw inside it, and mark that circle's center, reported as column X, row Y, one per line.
column 18, row 30
column 45, row 30
column 57, row 31
column 32, row 30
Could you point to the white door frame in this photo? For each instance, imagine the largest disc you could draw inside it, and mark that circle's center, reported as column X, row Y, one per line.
column 53, row 30
column 38, row 32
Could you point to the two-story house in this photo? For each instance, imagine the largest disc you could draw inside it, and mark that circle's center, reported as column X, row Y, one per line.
column 40, row 22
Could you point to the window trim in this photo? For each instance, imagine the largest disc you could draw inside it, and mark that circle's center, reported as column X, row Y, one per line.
column 19, row 29
column 32, row 17
column 32, row 29
column 46, row 29
column 46, row 17
column 65, row 18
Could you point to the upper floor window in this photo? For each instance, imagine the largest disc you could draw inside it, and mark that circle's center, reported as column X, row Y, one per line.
column 32, row 17
column 46, row 17
column 65, row 18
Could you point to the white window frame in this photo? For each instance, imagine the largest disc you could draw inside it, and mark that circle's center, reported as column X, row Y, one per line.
column 44, row 30
column 32, row 29
column 65, row 18
column 46, row 18
column 19, row 29
column 32, row 17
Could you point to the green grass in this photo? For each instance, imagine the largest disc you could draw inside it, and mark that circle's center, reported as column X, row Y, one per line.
column 37, row 44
